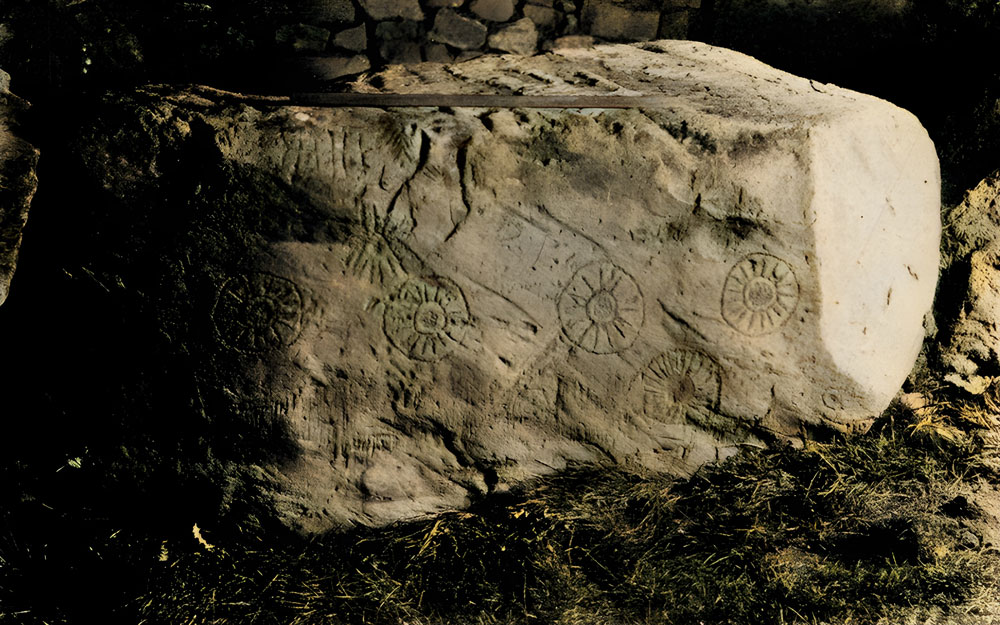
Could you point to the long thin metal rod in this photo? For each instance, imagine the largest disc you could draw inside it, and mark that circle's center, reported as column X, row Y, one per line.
column 389, row 100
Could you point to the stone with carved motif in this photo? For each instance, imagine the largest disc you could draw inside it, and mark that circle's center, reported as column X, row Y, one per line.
column 423, row 304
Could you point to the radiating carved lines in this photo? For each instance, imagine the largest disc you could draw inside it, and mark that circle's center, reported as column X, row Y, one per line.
column 258, row 311
column 371, row 256
column 760, row 294
column 426, row 319
column 601, row 309
column 681, row 385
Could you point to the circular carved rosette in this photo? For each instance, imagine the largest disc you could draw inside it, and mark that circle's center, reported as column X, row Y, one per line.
column 426, row 320
column 760, row 295
column 601, row 309
column 833, row 400
column 681, row 385
column 258, row 311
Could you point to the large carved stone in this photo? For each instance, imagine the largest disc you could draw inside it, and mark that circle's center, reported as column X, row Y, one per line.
column 18, row 161
column 426, row 304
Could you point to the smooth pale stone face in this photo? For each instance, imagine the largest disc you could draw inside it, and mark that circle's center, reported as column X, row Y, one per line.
column 874, row 256
column 510, row 292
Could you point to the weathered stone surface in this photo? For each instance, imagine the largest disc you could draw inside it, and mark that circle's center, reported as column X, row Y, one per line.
column 18, row 181
column 6, row 34
column 675, row 24
column 542, row 16
column 571, row 26
column 332, row 67
column 605, row 19
column 353, row 39
column 493, row 10
column 389, row 9
column 437, row 53
column 422, row 304
column 975, row 223
column 401, row 52
column 571, row 41
column 398, row 41
column 971, row 350
column 521, row 37
column 455, row 30
column 444, row 3
column 468, row 55
column 328, row 10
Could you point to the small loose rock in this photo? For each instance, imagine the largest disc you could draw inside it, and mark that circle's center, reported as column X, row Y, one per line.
column 970, row 540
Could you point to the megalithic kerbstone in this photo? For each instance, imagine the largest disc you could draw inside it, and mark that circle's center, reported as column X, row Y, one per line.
column 455, row 300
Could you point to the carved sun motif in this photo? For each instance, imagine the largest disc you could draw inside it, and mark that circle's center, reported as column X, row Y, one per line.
column 681, row 385
column 426, row 320
column 760, row 294
column 372, row 259
column 371, row 256
column 258, row 311
column 601, row 309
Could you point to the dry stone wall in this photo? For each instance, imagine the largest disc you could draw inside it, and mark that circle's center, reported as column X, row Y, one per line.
column 377, row 32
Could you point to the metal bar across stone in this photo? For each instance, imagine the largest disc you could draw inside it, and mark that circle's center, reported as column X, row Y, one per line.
column 465, row 100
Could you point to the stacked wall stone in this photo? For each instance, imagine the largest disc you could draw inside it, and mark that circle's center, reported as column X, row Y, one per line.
column 338, row 38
